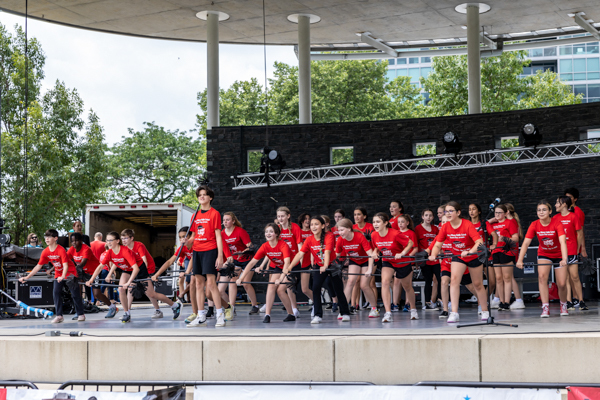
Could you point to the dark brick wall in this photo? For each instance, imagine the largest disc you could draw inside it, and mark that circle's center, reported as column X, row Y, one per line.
column 308, row 145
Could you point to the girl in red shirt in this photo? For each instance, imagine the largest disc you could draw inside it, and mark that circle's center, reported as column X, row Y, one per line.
column 465, row 240
column 505, row 228
column 552, row 250
column 292, row 235
column 426, row 233
column 574, row 237
column 366, row 228
column 278, row 253
column 475, row 215
column 338, row 215
column 320, row 246
column 304, row 221
column 350, row 244
column 396, row 210
column 406, row 228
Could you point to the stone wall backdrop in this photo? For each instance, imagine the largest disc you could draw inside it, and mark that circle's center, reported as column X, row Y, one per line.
column 309, row 146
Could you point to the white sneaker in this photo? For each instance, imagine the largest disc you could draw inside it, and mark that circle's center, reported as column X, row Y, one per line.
column 317, row 320
column 453, row 317
column 413, row 314
column 58, row 319
column 297, row 314
column 220, row 320
column 374, row 313
column 485, row 315
column 495, row 303
column 387, row 317
column 345, row 318
column 339, row 316
column 312, row 312
column 473, row 299
column 157, row 314
column 478, row 310
column 517, row 305
column 200, row 319
column 263, row 308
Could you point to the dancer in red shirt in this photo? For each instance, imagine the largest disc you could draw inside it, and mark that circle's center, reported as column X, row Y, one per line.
column 552, row 251
column 366, row 228
column 396, row 210
column 574, row 236
column 406, row 229
column 573, row 193
column 278, row 253
column 426, row 233
column 475, row 215
column 338, row 215
column 465, row 240
column 292, row 235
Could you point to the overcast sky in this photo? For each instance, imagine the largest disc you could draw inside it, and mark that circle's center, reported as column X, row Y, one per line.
column 128, row 81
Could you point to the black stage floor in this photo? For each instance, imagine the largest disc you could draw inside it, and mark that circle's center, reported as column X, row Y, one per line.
column 528, row 322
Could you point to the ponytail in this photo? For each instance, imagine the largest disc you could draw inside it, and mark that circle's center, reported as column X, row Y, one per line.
column 409, row 220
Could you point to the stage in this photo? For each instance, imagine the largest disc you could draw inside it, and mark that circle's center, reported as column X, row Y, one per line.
column 565, row 349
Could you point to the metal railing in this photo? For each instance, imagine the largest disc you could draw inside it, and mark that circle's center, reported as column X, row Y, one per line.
column 505, row 385
column 490, row 158
column 18, row 384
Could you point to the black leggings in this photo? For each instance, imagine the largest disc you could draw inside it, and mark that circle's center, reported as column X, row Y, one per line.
column 338, row 286
column 428, row 272
column 328, row 285
column 75, row 294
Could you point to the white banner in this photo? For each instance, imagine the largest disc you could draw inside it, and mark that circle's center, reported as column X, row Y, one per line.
column 348, row 392
column 32, row 394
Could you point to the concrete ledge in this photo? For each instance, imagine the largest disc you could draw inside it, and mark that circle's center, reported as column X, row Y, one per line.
column 45, row 359
column 395, row 360
column 269, row 358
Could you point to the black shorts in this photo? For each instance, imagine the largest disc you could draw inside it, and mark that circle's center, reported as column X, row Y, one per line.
column 572, row 259
column 502, row 258
column 553, row 260
column 274, row 270
column 143, row 272
column 240, row 264
column 471, row 264
column 399, row 273
column 445, row 273
column 465, row 280
column 363, row 264
column 204, row 262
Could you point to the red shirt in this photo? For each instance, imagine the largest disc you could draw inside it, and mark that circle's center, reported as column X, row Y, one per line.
column 185, row 254
column 313, row 246
column 57, row 258
column 506, row 229
column 303, row 236
column 204, row 226
column 571, row 225
column 292, row 237
column 463, row 238
column 357, row 247
column 394, row 223
column 335, row 231
column 104, row 260
column 412, row 236
column 390, row 245
column 425, row 238
column 489, row 230
column 579, row 214
column 276, row 254
column 85, row 252
column 549, row 245
column 237, row 242
column 98, row 247
column 141, row 250
column 125, row 259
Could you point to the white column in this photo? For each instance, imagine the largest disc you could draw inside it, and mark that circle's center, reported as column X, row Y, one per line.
column 212, row 58
column 473, row 58
column 304, row 95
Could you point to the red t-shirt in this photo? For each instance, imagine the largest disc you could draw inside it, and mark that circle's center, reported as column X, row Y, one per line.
column 204, row 226
column 57, row 258
column 141, row 250
column 463, row 238
column 303, row 236
column 313, row 246
column 104, row 260
column 579, row 214
column 394, row 223
column 276, row 254
column 85, row 252
column 425, row 238
column 237, row 242
column 390, row 245
column 412, row 236
column 489, row 230
column 571, row 225
column 125, row 259
column 357, row 247
column 549, row 245
column 335, row 231
column 185, row 254
column 292, row 237
column 506, row 229
column 98, row 247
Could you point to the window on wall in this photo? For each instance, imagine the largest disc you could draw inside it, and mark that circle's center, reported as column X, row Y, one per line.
column 341, row 155
column 507, row 142
column 254, row 157
column 425, row 148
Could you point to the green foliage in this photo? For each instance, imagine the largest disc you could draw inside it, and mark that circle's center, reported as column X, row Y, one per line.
column 508, row 143
column 425, row 150
column 544, row 89
column 65, row 153
column 155, row 165
column 342, row 155
column 254, row 158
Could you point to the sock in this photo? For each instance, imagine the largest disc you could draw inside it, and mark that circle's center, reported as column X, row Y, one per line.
column 267, row 315
column 174, row 306
column 219, row 311
column 112, row 306
column 294, row 310
column 203, row 312
column 496, row 298
column 126, row 312
column 563, row 303
column 157, row 309
column 521, row 300
column 545, row 304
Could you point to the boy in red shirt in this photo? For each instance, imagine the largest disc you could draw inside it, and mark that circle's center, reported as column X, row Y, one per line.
column 63, row 269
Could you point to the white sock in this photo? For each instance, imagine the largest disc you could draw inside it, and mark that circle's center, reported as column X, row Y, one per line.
column 496, row 298
column 202, row 312
column 521, row 300
column 174, row 306
column 126, row 312
column 112, row 306
column 294, row 310
column 219, row 311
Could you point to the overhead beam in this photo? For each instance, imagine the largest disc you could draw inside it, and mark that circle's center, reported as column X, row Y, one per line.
column 582, row 22
column 487, row 41
column 367, row 38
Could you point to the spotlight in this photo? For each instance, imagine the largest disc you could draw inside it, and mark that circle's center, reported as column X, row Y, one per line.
column 270, row 159
column 531, row 135
column 452, row 143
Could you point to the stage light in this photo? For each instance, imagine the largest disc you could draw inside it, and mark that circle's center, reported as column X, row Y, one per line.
column 530, row 135
column 452, row 143
column 271, row 159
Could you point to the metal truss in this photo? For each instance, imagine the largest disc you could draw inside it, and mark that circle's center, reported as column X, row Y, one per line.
column 491, row 158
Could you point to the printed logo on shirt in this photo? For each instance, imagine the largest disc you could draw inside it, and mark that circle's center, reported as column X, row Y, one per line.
column 458, row 245
column 548, row 242
column 201, row 230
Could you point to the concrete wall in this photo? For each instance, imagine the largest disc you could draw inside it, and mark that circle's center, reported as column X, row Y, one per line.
column 378, row 359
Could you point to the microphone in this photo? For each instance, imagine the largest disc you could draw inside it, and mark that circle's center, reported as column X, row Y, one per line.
column 495, row 203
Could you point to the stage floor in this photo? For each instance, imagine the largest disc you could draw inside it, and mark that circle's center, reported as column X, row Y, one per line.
column 528, row 321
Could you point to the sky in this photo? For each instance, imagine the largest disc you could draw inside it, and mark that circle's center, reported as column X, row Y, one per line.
column 128, row 81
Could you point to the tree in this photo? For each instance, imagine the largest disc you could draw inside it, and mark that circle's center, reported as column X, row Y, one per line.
column 545, row 90
column 155, row 165
column 53, row 165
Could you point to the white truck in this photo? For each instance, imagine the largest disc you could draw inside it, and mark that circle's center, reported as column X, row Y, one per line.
column 155, row 224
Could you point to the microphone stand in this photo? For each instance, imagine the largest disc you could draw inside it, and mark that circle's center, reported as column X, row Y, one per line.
column 486, row 265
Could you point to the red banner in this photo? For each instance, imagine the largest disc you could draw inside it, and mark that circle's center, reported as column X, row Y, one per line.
column 583, row 393
column 2, row 394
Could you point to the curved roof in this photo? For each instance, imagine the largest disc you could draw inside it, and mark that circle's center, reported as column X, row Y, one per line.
column 399, row 23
